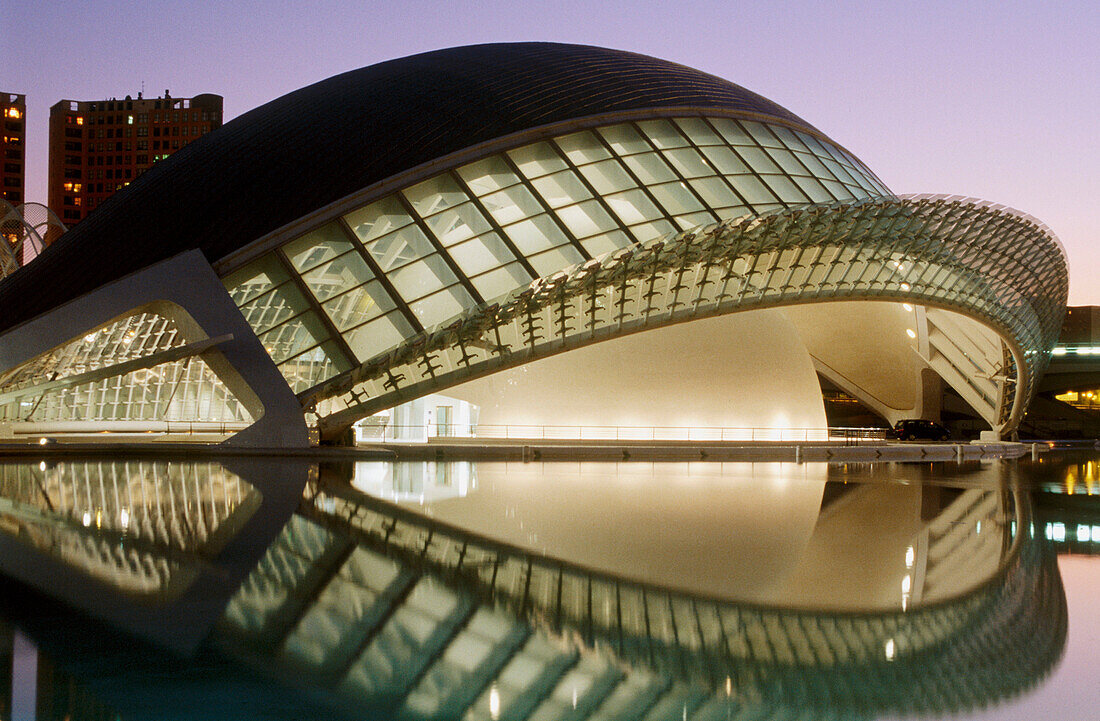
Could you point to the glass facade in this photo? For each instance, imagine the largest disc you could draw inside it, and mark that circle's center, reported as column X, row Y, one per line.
column 177, row 390
column 940, row 251
column 360, row 285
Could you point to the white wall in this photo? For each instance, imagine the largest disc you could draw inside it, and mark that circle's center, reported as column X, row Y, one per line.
column 746, row 370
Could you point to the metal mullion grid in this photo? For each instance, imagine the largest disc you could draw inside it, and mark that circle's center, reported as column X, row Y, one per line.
column 794, row 154
column 752, row 171
column 401, row 306
column 867, row 243
column 820, row 159
column 641, row 186
column 850, row 166
column 595, row 196
column 887, row 266
column 525, row 181
column 270, row 294
column 923, row 232
column 315, row 306
column 679, row 176
column 497, row 228
column 438, row 247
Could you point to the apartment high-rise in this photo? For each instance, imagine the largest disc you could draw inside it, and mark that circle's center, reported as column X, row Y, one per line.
column 13, row 109
column 98, row 147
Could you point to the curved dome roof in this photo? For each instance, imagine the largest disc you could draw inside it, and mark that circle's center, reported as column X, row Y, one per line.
column 316, row 145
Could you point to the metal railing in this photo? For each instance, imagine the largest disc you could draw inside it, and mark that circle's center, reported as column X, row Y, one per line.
column 439, row 432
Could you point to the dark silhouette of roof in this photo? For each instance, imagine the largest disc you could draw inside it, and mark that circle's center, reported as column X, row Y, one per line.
column 313, row 146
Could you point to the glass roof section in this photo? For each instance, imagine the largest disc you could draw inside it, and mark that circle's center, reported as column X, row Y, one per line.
column 350, row 290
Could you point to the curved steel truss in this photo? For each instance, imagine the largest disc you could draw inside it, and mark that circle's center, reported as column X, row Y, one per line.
column 988, row 262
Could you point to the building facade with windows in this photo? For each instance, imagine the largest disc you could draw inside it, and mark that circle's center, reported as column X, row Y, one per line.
column 98, row 147
column 552, row 235
column 13, row 114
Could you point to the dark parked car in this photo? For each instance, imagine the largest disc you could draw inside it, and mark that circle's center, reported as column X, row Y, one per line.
column 914, row 428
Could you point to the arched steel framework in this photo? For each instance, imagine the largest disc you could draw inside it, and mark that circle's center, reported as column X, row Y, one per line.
column 984, row 261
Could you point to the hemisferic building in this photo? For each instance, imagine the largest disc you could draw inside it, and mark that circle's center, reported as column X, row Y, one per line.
column 523, row 236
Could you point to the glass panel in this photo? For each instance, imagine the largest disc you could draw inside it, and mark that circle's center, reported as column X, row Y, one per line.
column 333, row 278
column 649, row 231
column 734, row 212
column 310, row 368
column 787, row 191
column 836, row 169
column 813, row 189
column 731, row 131
column 814, row 165
column 812, row 143
column 500, row 281
column 440, row 306
column 607, row 177
column 787, row 137
column 369, row 340
column 561, row 189
column 758, row 160
column 422, row 277
column 715, row 193
column 675, row 198
column 698, row 131
column 694, row 220
column 254, row 279
column 606, row 243
column 293, row 337
column 727, row 161
column 481, row 254
column 787, row 161
column 273, row 308
column 650, row 168
column 488, row 175
column 457, row 224
column 512, row 204
column 377, row 219
column 400, row 247
column 538, row 233
column 751, row 189
column 434, row 195
column 662, row 134
column 537, row 160
column 837, row 189
column 633, row 206
column 624, row 139
column 358, row 305
column 586, row 219
column 689, row 163
column 554, row 260
column 761, row 134
column 582, row 148
column 317, row 247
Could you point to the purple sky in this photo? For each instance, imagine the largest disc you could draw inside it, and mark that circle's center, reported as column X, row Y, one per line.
column 996, row 100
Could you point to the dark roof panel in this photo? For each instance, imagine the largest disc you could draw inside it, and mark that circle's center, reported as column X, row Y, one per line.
column 316, row 145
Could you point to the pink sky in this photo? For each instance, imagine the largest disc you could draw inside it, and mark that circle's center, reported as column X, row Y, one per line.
column 994, row 100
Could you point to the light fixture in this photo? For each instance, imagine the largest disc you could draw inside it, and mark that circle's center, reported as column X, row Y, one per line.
column 910, row 332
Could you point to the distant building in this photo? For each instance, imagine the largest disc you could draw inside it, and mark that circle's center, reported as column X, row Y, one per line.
column 98, row 147
column 13, row 108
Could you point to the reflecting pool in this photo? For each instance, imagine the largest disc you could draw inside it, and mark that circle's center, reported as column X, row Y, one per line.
column 272, row 588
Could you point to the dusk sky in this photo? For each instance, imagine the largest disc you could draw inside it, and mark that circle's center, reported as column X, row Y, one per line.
column 996, row 100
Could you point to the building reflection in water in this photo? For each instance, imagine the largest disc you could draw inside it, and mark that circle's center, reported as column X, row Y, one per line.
column 906, row 589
